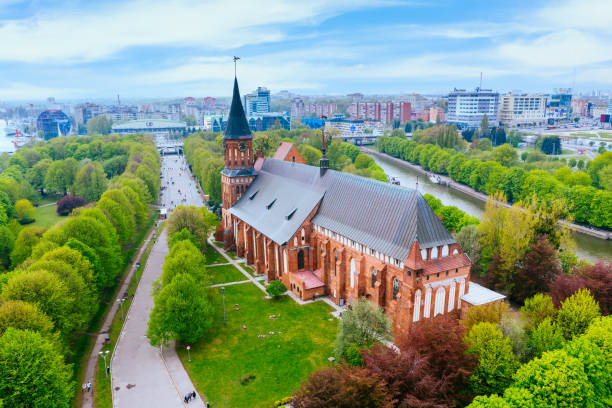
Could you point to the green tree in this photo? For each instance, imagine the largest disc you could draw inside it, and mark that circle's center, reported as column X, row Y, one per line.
column 363, row 161
column 605, row 177
column 555, row 380
column 36, row 174
column 26, row 240
column 496, row 362
column 25, row 211
column 276, row 288
column 597, row 165
column 310, row 154
column 183, row 311
column 7, row 244
column 184, row 257
column 32, row 372
column 577, row 312
column 363, row 324
column 469, row 240
column 90, row 182
column 99, row 125
column 505, row 154
column 572, row 162
column 56, row 179
column 536, row 309
column 24, row 316
column 189, row 218
column 484, row 125
column 544, row 337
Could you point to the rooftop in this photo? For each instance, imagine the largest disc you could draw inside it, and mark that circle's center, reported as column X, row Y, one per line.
column 150, row 124
column 479, row 295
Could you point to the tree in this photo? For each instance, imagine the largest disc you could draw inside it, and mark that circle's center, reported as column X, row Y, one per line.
column 538, row 268
column 363, row 161
column 556, row 379
column 192, row 220
column 36, row 174
column 32, row 372
column 407, row 376
column 310, row 154
column 505, row 154
column 440, row 341
column 547, row 335
column 597, row 165
column 182, row 311
column 184, row 257
column 276, row 288
column 99, row 125
column 90, row 182
column 489, row 312
column 597, row 279
column 551, row 145
column 26, row 239
column 183, row 235
column 363, row 324
column 484, row 125
column 342, row 388
column 24, row 316
column 577, row 312
column 537, row 309
column 496, row 363
column 67, row 203
column 25, row 211
column 7, row 244
column 57, row 179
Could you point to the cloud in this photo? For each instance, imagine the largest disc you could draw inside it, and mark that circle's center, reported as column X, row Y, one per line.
column 65, row 36
column 24, row 91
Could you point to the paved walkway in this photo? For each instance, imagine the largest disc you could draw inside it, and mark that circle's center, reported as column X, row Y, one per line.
column 141, row 376
column 90, row 370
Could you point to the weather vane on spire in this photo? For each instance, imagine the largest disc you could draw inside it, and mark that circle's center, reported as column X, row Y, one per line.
column 235, row 59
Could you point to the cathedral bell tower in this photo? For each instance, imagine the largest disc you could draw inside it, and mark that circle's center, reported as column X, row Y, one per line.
column 238, row 172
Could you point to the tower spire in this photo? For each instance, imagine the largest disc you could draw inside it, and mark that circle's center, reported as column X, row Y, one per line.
column 235, row 59
column 324, row 162
column 237, row 124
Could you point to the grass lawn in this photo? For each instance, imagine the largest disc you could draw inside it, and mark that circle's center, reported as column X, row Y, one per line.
column 213, row 256
column 46, row 216
column 250, row 270
column 225, row 273
column 302, row 343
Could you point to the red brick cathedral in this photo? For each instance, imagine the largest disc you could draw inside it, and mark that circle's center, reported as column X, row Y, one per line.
column 328, row 233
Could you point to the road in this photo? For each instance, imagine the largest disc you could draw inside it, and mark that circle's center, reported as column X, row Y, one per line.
column 141, row 376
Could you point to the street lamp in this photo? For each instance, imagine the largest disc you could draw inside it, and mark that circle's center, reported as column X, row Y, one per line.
column 223, row 293
column 103, row 355
column 189, row 353
column 121, row 303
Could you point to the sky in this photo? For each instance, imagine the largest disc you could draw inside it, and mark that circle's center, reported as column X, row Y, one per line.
column 148, row 48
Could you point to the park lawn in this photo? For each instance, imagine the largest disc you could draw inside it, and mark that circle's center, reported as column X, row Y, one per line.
column 46, row 216
column 302, row 343
column 225, row 273
column 249, row 270
column 213, row 256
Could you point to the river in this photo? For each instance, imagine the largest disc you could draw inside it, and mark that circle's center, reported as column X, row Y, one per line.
column 587, row 247
column 6, row 143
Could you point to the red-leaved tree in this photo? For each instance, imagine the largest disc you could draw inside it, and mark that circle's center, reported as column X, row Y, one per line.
column 68, row 203
column 343, row 387
column 598, row 279
column 538, row 268
column 440, row 341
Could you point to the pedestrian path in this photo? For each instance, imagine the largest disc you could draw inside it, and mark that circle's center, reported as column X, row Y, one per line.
column 142, row 375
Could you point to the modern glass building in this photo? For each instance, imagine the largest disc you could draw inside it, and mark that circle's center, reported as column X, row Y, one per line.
column 257, row 102
column 466, row 108
column 53, row 123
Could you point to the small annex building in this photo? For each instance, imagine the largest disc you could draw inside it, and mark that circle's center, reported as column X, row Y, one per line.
column 327, row 233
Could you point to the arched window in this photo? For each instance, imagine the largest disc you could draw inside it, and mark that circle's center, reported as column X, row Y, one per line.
column 395, row 288
column 276, row 258
column 374, row 273
column 427, row 306
column 254, row 244
column 335, row 261
column 352, row 273
column 439, row 307
column 322, row 248
column 416, row 315
column 445, row 250
column 451, row 298
column 237, row 189
column 285, row 262
column 300, row 259
column 434, row 253
column 461, row 293
column 455, row 251
column 303, row 236
column 424, row 254
column 295, row 242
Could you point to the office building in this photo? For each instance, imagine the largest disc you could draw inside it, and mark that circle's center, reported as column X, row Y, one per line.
column 257, row 102
column 466, row 108
column 522, row 110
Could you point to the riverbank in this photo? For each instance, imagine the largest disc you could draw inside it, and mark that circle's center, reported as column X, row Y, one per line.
column 448, row 182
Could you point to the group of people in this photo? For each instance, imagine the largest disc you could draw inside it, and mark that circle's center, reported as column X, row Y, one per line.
column 190, row 395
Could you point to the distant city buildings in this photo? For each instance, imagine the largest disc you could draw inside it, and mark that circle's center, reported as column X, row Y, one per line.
column 437, row 114
column 467, row 108
column 559, row 104
column 299, row 109
column 522, row 110
column 385, row 112
column 53, row 123
column 257, row 102
column 271, row 120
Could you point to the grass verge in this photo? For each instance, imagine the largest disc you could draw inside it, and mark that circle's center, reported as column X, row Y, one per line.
column 46, row 216
column 225, row 273
column 270, row 368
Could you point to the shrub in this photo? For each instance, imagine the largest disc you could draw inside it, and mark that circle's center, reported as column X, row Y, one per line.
column 276, row 288
column 25, row 211
column 68, row 203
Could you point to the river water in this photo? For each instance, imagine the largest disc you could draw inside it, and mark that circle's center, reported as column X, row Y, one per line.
column 587, row 247
column 6, row 143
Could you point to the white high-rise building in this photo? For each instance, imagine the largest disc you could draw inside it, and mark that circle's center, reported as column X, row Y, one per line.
column 522, row 110
column 466, row 108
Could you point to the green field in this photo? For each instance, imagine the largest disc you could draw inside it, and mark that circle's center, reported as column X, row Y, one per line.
column 213, row 256
column 276, row 364
column 46, row 216
column 225, row 273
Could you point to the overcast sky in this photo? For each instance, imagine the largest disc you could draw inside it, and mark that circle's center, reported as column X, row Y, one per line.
column 149, row 48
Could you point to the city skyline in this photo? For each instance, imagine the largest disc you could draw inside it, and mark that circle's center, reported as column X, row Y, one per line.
column 148, row 49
